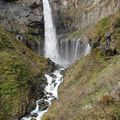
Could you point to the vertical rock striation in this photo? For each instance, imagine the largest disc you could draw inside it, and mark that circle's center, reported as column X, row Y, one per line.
column 75, row 14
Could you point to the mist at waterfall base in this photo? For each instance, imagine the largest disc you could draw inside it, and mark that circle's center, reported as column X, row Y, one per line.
column 63, row 52
column 71, row 50
column 51, row 45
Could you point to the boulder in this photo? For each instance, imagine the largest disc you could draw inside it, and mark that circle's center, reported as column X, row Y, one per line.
column 34, row 115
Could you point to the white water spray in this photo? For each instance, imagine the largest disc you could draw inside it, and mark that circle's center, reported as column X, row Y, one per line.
column 51, row 91
column 51, row 49
column 88, row 50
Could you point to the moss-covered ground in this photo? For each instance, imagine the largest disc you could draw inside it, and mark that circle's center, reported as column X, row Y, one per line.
column 18, row 67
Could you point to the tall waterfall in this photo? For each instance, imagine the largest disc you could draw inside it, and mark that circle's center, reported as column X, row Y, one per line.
column 50, row 49
column 63, row 52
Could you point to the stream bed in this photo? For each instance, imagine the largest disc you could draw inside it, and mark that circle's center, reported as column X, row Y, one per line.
column 51, row 92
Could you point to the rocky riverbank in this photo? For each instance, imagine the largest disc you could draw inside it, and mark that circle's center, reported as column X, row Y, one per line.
column 50, row 94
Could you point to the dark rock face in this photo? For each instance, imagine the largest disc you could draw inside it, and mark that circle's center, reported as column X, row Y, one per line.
column 34, row 115
column 43, row 105
column 38, row 27
column 51, row 67
column 18, row 15
column 37, row 92
column 24, row 18
column 34, row 42
column 39, row 85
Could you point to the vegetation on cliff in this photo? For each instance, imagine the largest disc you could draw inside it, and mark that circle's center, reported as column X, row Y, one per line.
column 91, row 89
column 19, row 68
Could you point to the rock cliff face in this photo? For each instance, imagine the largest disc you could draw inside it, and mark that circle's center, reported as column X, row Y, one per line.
column 91, row 86
column 24, row 18
column 78, row 14
column 19, row 15
column 27, row 15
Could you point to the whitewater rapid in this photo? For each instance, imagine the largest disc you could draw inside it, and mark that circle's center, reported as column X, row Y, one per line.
column 51, row 91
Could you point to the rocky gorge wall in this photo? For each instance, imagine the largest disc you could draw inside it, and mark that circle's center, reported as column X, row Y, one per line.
column 26, row 16
column 79, row 14
column 21, row 15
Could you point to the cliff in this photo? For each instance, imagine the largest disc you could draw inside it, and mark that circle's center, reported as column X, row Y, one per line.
column 91, row 86
column 21, row 16
column 79, row 14
column 24, row 18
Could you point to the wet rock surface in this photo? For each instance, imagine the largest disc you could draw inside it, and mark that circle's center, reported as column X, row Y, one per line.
column 47, row 96
column 34, row 115
column 43, row 105
column 41, row 95
column 52, row 68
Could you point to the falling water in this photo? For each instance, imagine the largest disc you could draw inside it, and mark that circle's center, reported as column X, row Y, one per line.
column 51, row 50
column 71, row 50
column 87, row 50
column 63, row 52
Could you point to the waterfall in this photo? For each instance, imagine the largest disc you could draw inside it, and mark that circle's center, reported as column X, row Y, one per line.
column 71, row 50
column 88, row 49
column 51, row 48
column 63, row 52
